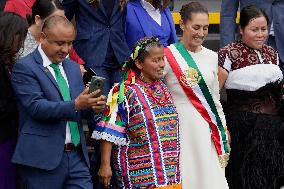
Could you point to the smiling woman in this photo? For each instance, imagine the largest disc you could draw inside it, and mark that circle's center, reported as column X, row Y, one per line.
column 141, row 125
column 191, row 76
column 249, row 71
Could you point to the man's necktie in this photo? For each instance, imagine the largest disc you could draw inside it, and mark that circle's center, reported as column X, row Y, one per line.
column 64, row 90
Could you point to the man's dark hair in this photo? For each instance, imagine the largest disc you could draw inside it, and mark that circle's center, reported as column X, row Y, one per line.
column 54, row 21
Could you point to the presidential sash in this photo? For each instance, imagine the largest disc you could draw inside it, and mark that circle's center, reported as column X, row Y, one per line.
column 196, row 90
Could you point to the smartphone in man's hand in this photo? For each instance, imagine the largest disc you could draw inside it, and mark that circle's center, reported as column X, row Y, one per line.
column 97, row 83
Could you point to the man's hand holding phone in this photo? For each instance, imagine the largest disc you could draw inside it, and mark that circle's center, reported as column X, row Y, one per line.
column 91, row 97
column 90, row 100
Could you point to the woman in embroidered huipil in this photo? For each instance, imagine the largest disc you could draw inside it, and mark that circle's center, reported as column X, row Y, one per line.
column 250, row 74
column 191, row 76
column 140, row 125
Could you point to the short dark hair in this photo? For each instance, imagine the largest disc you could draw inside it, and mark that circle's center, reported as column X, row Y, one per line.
column 12, row 27
column 188, row 9
column 43, row 8
column 250, row 12
column 55, row 20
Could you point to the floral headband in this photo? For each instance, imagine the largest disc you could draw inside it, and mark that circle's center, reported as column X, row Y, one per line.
column 116, row 97
column 141, row 46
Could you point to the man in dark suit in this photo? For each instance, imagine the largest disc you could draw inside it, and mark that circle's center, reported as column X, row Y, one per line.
column 51, row 150
column 273, row 8
column 100, row 39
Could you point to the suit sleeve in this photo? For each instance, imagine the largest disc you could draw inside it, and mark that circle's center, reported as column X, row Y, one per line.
column 70, row 8
column 229, row 9
column 133, row 28
column 173, row 38
column 30, row 95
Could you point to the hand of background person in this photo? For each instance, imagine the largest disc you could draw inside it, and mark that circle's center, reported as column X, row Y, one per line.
column 105, row 174
column 90, row 100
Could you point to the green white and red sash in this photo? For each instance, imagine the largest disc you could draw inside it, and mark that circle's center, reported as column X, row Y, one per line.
column 196, row 90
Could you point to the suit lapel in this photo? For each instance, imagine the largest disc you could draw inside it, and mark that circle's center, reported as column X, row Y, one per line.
column 115, row 9
column 101, row 6
column 45, row 70
column 141, row 15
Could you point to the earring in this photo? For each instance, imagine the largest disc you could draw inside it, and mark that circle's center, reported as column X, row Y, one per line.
column 141, row 76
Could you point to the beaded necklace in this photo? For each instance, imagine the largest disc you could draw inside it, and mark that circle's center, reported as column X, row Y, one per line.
column 156, row 91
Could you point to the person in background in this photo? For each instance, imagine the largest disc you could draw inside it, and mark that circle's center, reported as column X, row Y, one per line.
column 13, row 30
column 75, row 57
column 273, row 8
column 140, row 124
column 249, row 71
column 100, row 39
column 101, row 43
column 149, row 18
column 21, row 7
column 191, row 76
column 51, row 149
column 2, row 5
column 41, row 10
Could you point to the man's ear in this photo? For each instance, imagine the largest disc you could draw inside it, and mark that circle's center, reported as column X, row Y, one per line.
column 139, row 64
column 42, row 37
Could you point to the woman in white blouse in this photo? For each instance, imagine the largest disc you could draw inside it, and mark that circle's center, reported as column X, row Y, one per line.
column 191, row 76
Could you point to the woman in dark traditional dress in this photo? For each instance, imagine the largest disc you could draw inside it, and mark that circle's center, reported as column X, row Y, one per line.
column 249, row 71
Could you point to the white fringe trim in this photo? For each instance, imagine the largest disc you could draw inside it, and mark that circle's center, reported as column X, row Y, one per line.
column 110, row 138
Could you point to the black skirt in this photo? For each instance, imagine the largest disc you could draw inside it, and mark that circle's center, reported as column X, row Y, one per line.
column 257, row 155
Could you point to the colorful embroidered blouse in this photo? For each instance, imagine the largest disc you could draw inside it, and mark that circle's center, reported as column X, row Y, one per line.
column 146, row 133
